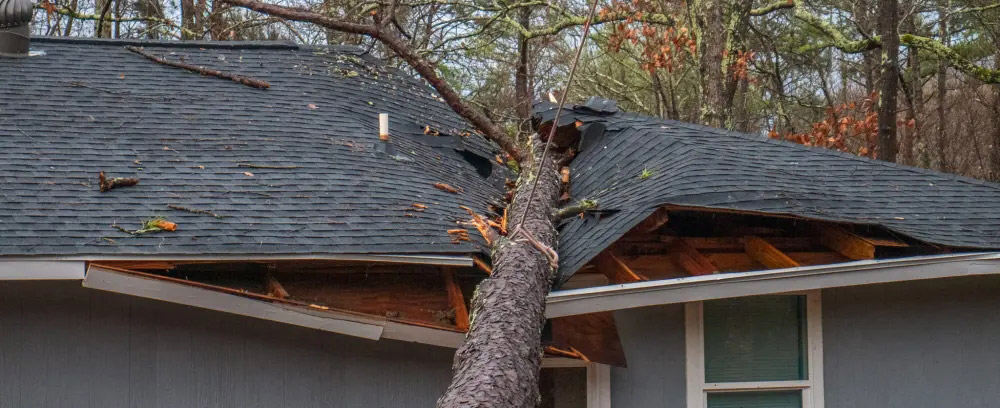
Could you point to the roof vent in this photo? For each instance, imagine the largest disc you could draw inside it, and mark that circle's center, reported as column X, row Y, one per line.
column 15, row 16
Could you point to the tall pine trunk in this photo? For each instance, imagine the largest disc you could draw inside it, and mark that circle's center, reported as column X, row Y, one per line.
column 942, row 87
column 888, row 20
column 711, row 26
column 521, row 278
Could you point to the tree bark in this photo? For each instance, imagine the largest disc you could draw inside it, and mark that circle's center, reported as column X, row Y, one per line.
column 712, row 28
column 521, row 279
column 995, row 156
column 888, row 21
column 912, row 138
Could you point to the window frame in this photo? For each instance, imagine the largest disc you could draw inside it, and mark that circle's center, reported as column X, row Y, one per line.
column 698, row 389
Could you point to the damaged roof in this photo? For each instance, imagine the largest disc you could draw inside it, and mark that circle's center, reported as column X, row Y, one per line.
column 293, row 169
column 632, row 164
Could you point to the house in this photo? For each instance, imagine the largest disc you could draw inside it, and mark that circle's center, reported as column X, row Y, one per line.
column 230, row 224
column 741, row 271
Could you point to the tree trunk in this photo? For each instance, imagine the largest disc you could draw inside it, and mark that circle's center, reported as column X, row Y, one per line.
column 102, row 26
column 712, row 43
column 942, row 88
column 995, row 156
column 498, row 365
column 888, row 20
column 912, row 137
column 150, row 8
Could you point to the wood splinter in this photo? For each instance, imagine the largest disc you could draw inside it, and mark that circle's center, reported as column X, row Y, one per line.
column 245, row 80
column 107, row 184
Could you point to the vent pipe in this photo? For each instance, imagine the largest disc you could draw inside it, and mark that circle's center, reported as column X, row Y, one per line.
column 383, row 127
column 15, row 36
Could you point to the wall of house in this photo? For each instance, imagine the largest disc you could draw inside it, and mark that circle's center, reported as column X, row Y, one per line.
column 65, row 346
column 922, row 344
column 653, row 340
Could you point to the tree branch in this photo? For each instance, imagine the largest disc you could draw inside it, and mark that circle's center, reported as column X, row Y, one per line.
column 413, row 58
column 574, row 209
column 839, row 41
column 768, row 9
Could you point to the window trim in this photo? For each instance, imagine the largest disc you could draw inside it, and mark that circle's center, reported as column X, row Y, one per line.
column 698, row 389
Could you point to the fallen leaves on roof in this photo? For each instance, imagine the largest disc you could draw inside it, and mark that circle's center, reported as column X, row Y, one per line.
column 446, row 187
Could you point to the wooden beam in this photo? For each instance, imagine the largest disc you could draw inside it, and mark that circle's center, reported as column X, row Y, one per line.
column 846, row 243
column 689, row 259
column 456, row 299
column 654, row 221
column 274, row 287
column 617, row 271
column 765, row 253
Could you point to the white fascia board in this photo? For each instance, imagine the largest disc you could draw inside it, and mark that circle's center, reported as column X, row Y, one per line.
column 727, row 285
column 41, row 270
column 124, row 283
column 416, row 259
column 424, row 335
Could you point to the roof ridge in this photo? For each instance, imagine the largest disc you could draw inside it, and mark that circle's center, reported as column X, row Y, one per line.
column 820, row 150
column 288, row 45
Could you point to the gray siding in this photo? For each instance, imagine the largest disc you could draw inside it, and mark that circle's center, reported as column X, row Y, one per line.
column 65, row 346
column 922, row 344
column 653, row 340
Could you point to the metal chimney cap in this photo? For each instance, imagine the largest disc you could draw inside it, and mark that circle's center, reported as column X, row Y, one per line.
column 14, row 13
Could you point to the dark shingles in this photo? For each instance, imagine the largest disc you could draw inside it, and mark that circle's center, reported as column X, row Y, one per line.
column 704, row 167
column 90, row 105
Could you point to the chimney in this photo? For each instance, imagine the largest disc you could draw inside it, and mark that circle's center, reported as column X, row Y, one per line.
column 383, row 126
column 15, row 35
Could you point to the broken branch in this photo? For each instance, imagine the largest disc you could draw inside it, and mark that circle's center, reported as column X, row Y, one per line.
column 264, row 166
column 245, row 80
column 106, row 184
column 194, row 211
column 574, row 209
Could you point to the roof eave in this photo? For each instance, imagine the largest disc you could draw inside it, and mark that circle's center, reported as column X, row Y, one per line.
column 708, row 287
column 412, row 259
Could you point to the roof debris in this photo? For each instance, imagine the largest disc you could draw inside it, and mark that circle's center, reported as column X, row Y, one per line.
column 265, row 166
column 194, row 211
column 446, row 187
column 107, row 184
column 245, row 80
column 150, row 226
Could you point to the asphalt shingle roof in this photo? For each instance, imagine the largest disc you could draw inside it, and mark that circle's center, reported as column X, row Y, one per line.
column 698, row 166
column 86, row 106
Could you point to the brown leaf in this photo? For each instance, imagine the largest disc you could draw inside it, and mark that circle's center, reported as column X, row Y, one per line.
column 446, row 187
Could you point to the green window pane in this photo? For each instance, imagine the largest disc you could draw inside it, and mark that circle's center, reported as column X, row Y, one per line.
column 767, row 399
column 760, row 338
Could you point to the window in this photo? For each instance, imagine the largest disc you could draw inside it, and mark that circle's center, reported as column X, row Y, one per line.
column 755, row 352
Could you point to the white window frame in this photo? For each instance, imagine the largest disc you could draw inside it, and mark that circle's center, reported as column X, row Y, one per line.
column 698, row 389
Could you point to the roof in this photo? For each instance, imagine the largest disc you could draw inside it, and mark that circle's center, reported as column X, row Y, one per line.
column 640, row 163
column 293, row 169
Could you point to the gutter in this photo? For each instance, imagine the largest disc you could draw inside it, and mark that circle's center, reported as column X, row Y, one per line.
column 255, row 306
column 42, row 270
column 772, row 281
column 439, row 260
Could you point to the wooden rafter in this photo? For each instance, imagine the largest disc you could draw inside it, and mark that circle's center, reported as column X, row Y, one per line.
column 766, row 254
column 654, row 221
column 846, row 243
column 689, row 259
column 274, row 287
column 456, row 299
column 615, row 269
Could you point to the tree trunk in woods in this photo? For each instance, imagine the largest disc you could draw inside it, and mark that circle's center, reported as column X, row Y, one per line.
column 150, row 8
column 888, row 21
column 942, row 88
column 102, row 26
column 912, row 141
column 995, row 156
column 863, row 11
column 522, row 93
column 712, row 42
column 498, row 365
